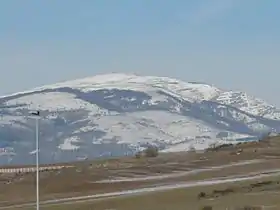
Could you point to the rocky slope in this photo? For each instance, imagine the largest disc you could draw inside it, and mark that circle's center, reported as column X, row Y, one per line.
column 117, row 114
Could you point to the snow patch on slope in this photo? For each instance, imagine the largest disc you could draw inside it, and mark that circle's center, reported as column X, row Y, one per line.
column 54, row 102
column 249, row 104
column 190, row 91
column 68, row 143
column 12, row 121
column 147, row 126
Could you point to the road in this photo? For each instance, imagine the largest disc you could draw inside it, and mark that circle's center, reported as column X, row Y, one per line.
column 179, row 174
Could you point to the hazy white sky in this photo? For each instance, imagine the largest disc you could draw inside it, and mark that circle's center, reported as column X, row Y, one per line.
column 232, row 44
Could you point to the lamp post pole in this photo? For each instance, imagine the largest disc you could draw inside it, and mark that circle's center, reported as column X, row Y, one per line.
column 36, row 115
column 37, row 163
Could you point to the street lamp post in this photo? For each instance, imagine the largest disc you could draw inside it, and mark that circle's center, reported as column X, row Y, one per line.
column 37, row 117
column 37, row 163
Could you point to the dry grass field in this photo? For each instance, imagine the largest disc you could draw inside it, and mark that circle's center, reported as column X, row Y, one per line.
column 255, row 193
column 114, row 175
column 258, row 193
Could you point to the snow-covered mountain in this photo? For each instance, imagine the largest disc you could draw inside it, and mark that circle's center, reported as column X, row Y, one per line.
column 116, row 114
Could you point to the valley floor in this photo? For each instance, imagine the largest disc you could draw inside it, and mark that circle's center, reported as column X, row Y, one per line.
column 248, row 173
column 256, row 191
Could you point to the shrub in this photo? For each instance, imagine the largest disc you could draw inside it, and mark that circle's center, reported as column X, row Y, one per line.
column 212, row 147
column 151, row 151
column 201, row 195
column 216, row 147
column 192, row 149
column 138, row 155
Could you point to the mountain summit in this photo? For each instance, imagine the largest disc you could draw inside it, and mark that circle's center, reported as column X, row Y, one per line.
column 117, row 114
